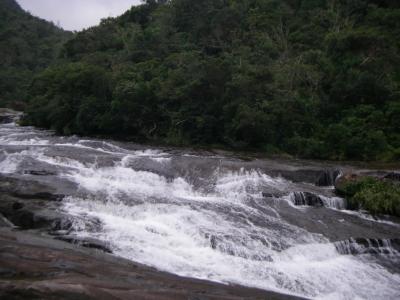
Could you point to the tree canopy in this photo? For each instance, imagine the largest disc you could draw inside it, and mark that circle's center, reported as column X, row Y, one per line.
column 312, row 78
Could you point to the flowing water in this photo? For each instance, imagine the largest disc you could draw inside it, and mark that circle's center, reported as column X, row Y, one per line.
column 212, row 217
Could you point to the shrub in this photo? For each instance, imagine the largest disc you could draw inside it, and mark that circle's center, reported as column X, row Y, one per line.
column 374, row 195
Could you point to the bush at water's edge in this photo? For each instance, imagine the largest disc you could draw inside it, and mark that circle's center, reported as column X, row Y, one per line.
column 376, row 195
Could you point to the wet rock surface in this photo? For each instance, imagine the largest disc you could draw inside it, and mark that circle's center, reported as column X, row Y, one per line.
column 22, row 187
column 30, row 213
column 33, row 267
column 85, row 242
column 338, row 225
column 39, row 172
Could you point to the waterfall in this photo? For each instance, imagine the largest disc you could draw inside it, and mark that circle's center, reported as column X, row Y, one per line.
column 357, row 246
column 310, row 199
column 328, row 177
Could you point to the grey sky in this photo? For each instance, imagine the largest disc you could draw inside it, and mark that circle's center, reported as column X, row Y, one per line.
column 76, row 14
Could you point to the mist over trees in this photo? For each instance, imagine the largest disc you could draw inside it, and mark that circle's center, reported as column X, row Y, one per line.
column 312, row 78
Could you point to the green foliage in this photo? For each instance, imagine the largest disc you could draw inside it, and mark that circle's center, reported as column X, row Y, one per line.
column 374, row 195
column 71, row 98
column 27, row 46
column 312, row 78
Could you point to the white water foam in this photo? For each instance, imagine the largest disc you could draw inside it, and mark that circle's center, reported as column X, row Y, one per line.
column 243, row 184
column 334, row 202
column 26, row 142
column 9, row 164
column 172, row 229
column 328, row 202
column 202, row 244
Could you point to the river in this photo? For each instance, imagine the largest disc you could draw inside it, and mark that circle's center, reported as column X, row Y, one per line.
column 213, row 216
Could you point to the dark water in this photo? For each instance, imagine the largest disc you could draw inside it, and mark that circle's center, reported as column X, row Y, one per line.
column 219, row 218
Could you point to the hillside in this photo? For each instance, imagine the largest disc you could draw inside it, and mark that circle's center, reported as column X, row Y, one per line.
column 312, row 78
column 27, row 45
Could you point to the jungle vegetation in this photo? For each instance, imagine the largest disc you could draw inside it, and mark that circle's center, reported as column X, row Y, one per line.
column 311, row 78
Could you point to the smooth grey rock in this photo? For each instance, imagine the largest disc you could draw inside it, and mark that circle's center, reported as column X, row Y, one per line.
column 86, row 242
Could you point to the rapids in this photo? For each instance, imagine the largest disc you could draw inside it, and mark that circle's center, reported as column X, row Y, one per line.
column 258, row 222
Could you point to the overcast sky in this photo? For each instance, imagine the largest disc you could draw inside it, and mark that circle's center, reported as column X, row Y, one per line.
column 76, row 14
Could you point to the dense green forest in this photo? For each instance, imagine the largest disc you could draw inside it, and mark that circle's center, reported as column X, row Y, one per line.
column 27, row 45
column 311, row 78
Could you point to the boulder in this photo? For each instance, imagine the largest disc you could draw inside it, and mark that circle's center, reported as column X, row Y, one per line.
column 33, row 213
column 343, row 180
column 35, row 219
column 27, row 189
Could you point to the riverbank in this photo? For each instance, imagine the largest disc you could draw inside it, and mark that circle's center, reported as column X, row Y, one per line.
column 246, row 154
